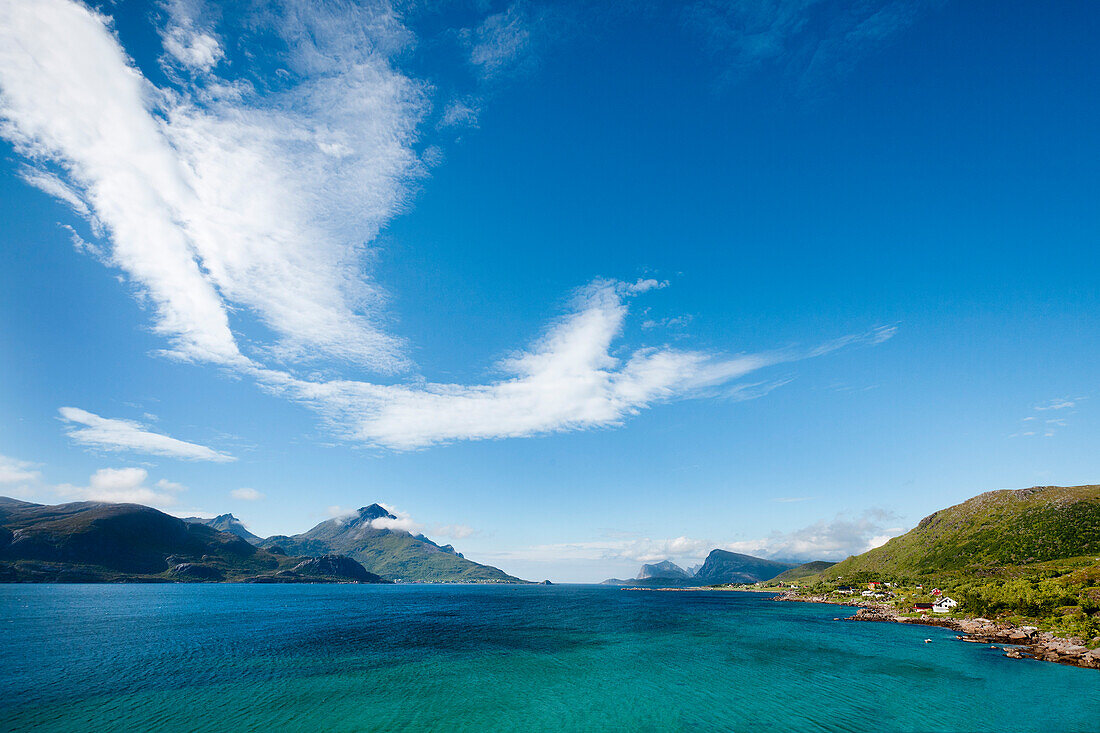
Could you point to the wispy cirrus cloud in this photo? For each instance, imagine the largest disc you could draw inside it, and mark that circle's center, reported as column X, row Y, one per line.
column 811, row 41
column 500, row 40
column 213, row 194
column 111, row 434
column 261, row 193
column 1047, row 427
column 567, row 380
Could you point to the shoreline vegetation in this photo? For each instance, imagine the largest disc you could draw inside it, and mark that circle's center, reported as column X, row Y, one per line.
column 1016, row 640
column 1024, row 641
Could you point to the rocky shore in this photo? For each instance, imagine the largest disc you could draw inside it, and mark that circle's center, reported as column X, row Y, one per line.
column 1023, row 641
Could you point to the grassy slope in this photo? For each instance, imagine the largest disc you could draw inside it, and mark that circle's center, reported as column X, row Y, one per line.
column 1028, row 555
column 992, row 532
column 394, row 555
column 399, row 555
column 806, row 570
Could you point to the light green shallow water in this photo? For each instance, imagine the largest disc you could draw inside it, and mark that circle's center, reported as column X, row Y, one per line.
column 237, row 657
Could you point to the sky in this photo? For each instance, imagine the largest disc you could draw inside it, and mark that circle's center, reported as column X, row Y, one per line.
column 573, row 286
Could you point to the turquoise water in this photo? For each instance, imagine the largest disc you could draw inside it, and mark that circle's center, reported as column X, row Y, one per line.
column 349, row 657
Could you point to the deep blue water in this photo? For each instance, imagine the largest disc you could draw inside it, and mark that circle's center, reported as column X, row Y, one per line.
column 350, row 657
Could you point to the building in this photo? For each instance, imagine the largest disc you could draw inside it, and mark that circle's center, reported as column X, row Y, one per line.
column 922, row 607
column 874, row 585
column 944, row 605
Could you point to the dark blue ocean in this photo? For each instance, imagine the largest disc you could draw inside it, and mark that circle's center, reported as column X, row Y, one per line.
column 516, row 658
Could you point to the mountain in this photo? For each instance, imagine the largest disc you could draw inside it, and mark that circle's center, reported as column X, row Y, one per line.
column 390, row 553
column 97, row 542
column 664, row 569
column 804, row 570
column 722, row 566
column 227, row 523
column 719, row 567
column 994, row 530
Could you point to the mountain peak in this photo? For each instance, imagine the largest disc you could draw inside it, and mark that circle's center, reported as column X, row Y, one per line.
column 225, row 518
column 374, row 511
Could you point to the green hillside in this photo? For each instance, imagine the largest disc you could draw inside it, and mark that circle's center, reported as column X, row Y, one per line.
column 1028, row 556
column 806, row 570
column 991, row 532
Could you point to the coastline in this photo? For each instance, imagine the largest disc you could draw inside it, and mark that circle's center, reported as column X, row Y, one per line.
column 1024, row 642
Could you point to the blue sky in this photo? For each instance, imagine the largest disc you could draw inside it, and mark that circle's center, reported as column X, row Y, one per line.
column 570, row 287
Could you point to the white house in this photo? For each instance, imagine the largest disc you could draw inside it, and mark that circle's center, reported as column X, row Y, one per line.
column 944, row 605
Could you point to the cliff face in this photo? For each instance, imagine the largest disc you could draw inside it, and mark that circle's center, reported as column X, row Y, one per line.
column 722, row 566
column 664, row 569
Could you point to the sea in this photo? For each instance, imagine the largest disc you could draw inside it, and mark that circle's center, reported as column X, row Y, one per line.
column 224, row 657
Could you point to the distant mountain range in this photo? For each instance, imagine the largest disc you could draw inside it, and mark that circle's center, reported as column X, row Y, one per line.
column 720, row 567
column 88, row 542
column 97, row 542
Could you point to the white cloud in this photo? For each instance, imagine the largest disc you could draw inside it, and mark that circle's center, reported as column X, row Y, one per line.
column 632, row 549
column 110, row 434
column 52, row 185
column 567, row 380
column 813, row 41
column 402, row 523
column 246, row 494
column 124, row 485
column 14, row 471
column 834, row 539
column 263, row 194
column 673, row 323
column 452, row 531
column 1053, row 423
column 461, row 113
column 1057, row 404
column 185, row 41
column 500, row 40
column 214, row 195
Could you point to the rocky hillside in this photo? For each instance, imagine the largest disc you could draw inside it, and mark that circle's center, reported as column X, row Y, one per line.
column 388, row 552
column 997, row 529
column 665, row 569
